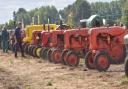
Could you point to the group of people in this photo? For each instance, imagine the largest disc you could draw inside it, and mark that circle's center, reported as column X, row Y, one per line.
column 14, row 39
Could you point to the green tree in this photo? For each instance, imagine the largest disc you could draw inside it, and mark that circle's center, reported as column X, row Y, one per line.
column 125, row 14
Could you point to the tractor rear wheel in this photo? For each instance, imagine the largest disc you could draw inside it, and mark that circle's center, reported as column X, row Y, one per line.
column 44, row 53
column 126, row 67
column 89, row 60
column 118, row 54
column 49, row 55
column 101, row 61
column 56, row 55
column 64, row 56
column 72, row 59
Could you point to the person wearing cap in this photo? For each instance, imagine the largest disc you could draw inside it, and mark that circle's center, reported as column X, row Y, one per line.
column 18, row 39
column 5, row 40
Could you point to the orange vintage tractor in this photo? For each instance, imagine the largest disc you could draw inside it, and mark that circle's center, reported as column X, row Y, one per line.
column 36, row 43
column 45, row 44
column 106, row 47
column 76, row 43
column 56, row 45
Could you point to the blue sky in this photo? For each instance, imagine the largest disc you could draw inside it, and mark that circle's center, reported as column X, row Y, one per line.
column 8, row 6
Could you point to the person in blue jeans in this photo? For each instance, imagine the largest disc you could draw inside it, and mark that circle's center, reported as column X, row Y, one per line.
column 18, row 39
column 5, row 40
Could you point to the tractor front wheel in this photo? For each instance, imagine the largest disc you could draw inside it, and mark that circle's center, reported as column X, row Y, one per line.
column 89, row 60
column 72, row 59
column 44, row 53
column 38, row 52
column 64, row 56
column 56, row 55
column 34, row 51
column 101, row 61
column 49, row 55
column 29, row 49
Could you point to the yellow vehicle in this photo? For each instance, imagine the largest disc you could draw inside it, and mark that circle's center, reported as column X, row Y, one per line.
column 29, row 29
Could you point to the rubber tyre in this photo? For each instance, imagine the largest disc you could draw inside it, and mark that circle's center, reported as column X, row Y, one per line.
column 72, row 59
column 27, row 50
column 41, row 51
column 64, row 56
column 34, row 52
column 121, row 59
column 38, row 52
column 49, row 55
column 44, row 53
column 56, row 55
column 89, row 60
column 30, row 50
column 126, row 67
column 101, row 61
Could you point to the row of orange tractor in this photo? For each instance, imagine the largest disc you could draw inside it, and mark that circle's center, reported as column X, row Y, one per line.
column 98, row 46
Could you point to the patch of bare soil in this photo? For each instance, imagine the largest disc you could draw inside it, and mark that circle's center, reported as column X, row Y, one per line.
column 9, row 81
column 33, row 73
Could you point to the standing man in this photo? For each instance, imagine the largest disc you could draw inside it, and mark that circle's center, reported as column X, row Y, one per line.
column 5, row 40
column 18, row 39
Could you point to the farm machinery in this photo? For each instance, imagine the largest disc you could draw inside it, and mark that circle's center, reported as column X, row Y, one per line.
column 45, row 44
column 56, row 44
column 47, row 40
column 101, row 46
column 29, row 32
column 53, row 43
column 36, row 43
column 106, row 47
column 75, row 46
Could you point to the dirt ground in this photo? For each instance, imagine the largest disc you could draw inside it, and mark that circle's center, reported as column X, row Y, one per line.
column 33, row 73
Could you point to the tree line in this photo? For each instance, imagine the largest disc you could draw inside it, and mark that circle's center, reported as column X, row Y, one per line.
column 80, row 9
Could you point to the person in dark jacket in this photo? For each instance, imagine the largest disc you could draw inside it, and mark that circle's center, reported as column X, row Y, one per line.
column 5, row 40
column 18, row 39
